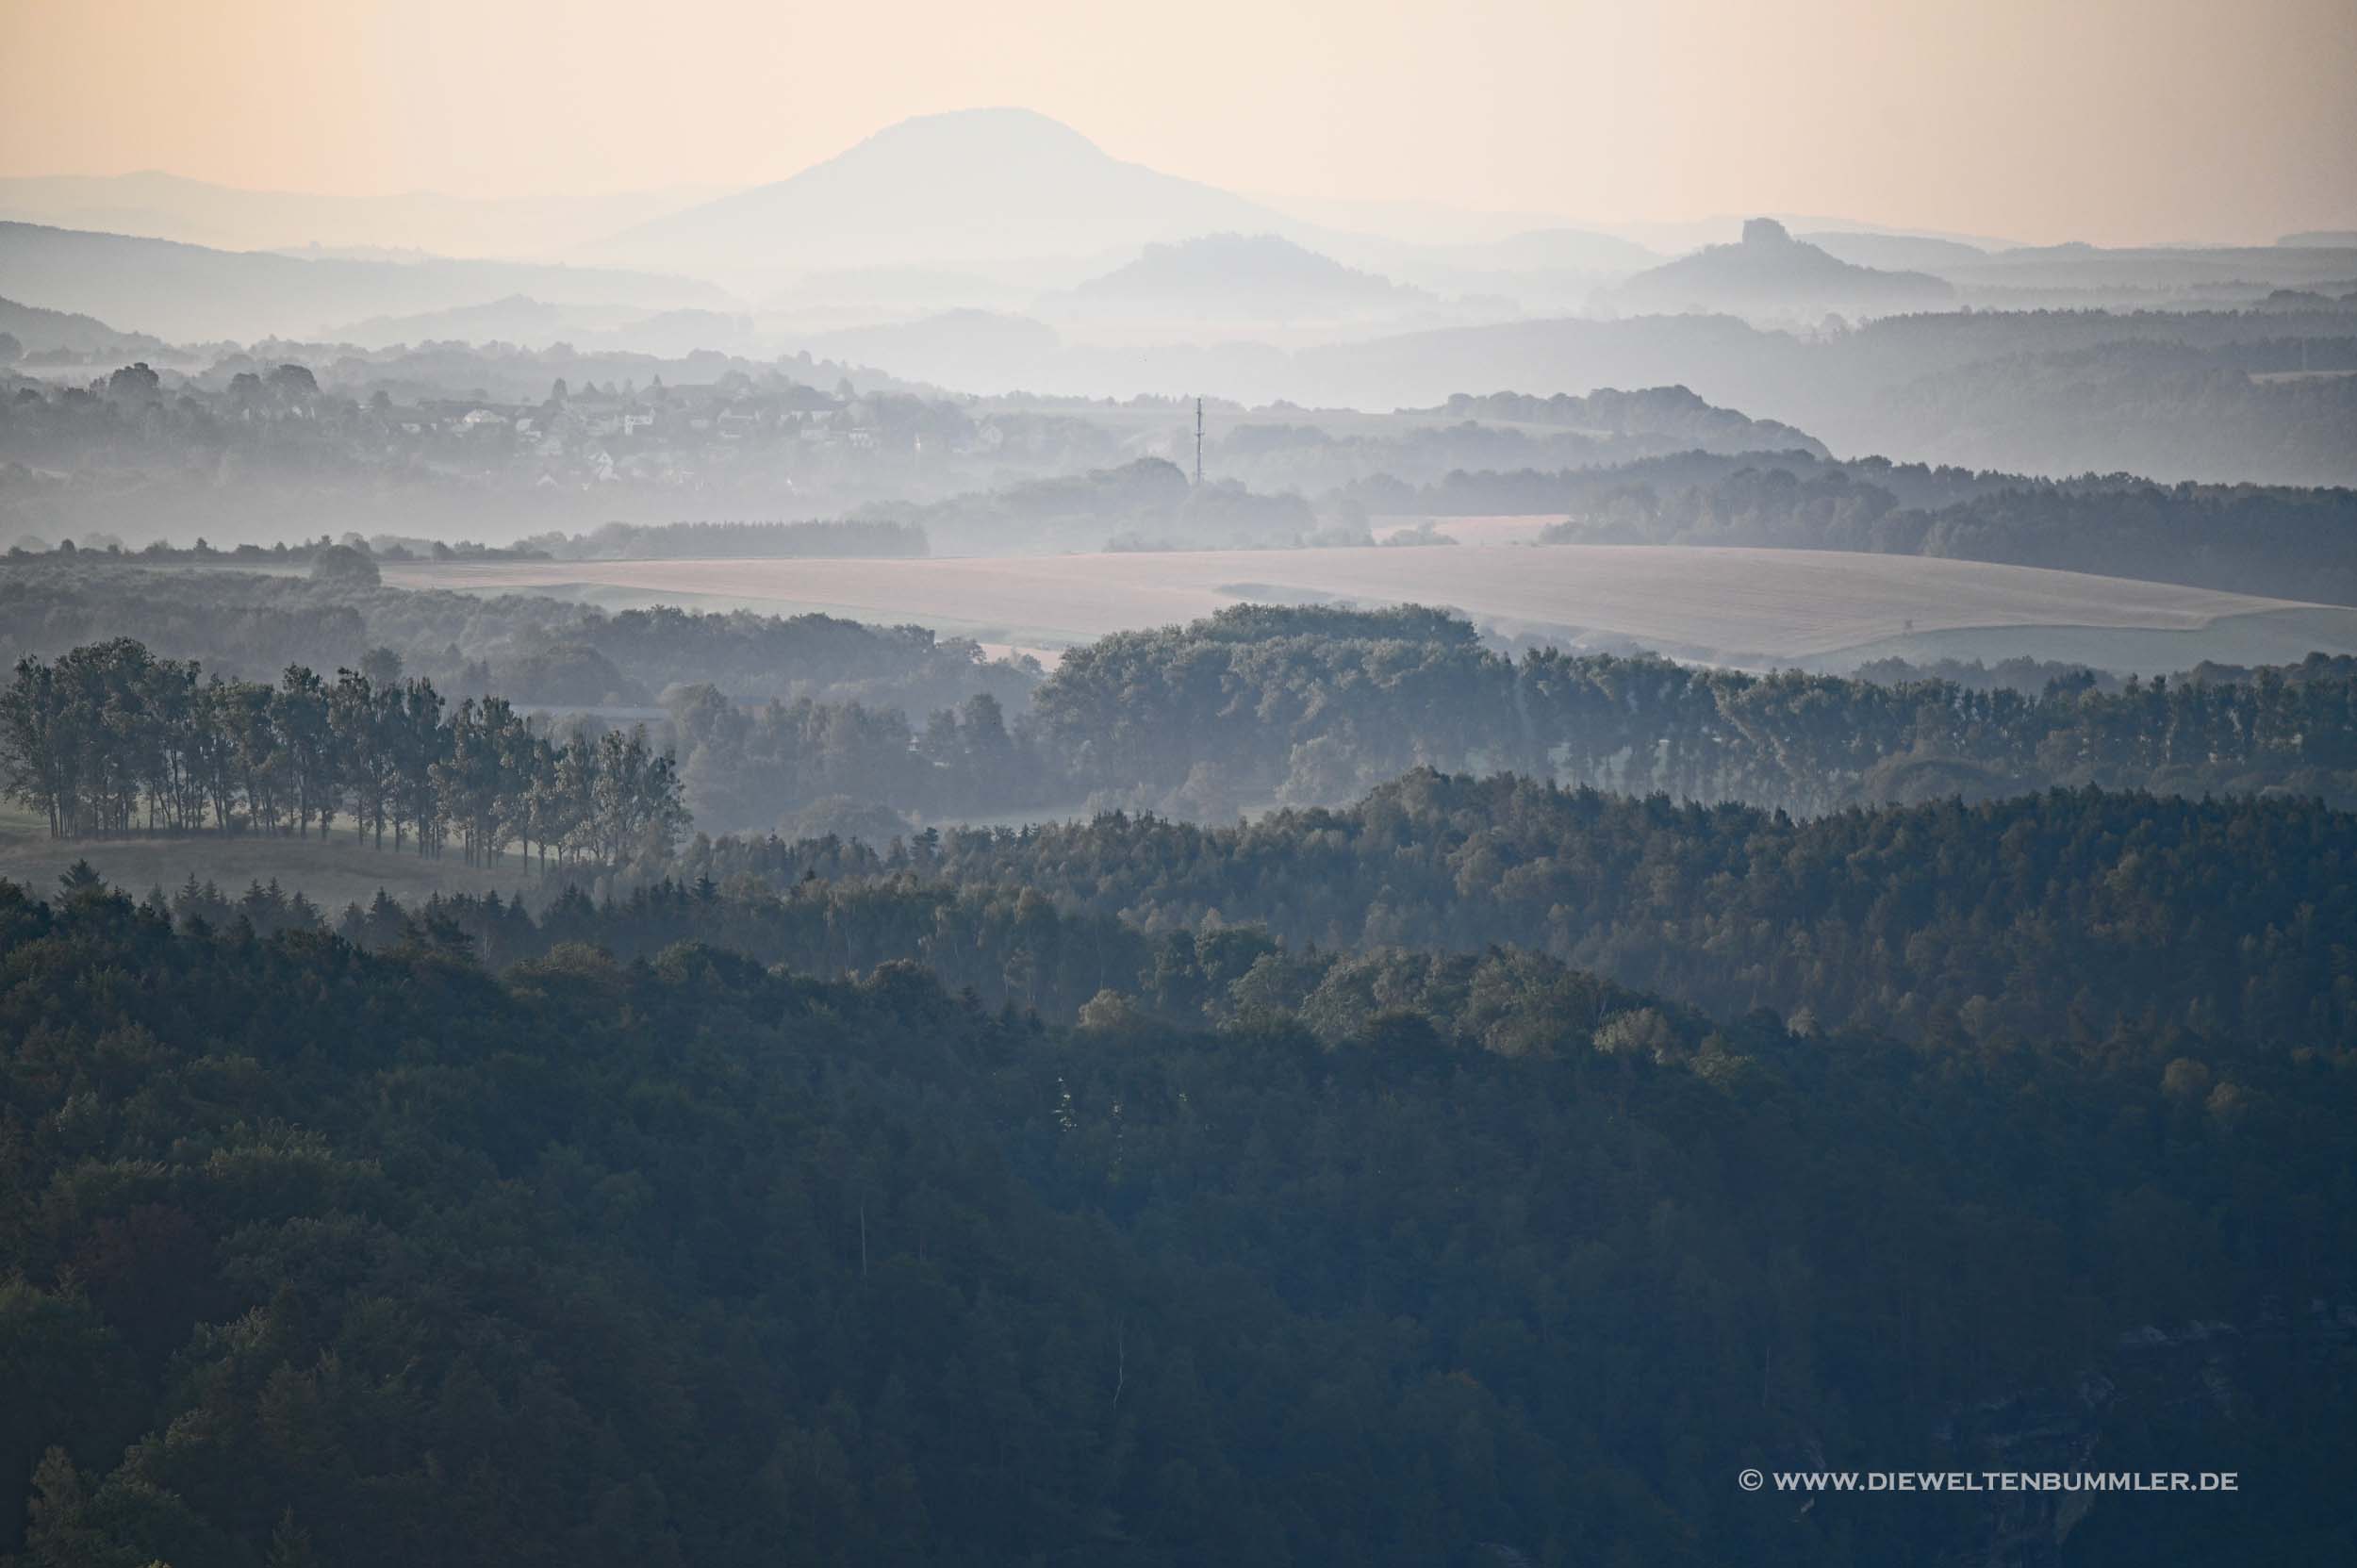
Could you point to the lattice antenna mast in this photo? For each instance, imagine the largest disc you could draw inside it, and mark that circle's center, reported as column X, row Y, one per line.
column 1199, row 443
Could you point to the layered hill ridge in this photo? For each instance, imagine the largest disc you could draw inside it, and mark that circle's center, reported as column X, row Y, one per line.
column 1248, row 275
column 194, row 293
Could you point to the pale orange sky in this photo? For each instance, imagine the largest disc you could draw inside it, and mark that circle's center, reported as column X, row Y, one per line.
column 2108, row 120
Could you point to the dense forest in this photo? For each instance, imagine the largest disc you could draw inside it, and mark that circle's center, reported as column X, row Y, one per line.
column 110, row 739
column 1998, row 922
column 329, row 1255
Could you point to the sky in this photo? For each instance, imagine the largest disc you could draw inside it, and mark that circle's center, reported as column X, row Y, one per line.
column 2113, row 121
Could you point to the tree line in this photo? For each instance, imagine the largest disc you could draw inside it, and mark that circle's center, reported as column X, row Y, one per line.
column 1261, row 705
column 112, row 739
column 793, row 720
column 1315, row 704
column 1264, row 704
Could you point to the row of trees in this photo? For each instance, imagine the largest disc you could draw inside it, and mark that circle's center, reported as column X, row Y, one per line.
column 1294, row 705
column 762, row 765
column 1305, row 706
column 1314, row 705
column 110, row 739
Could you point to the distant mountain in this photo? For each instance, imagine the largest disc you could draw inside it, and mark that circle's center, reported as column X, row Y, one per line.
column 40, row 330
column 1241, row 277
column 1767, row 272
column 1921, row 252
column 977, row 184
column 191, row 292
column 167, row 207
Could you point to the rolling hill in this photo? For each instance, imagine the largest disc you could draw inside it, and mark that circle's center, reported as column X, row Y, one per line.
column 1240, row 277
column 1767, row 272
column 158, row 205
column 1653, row 410
column 38, row 330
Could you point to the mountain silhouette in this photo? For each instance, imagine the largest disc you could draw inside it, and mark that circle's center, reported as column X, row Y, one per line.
column 975, row 185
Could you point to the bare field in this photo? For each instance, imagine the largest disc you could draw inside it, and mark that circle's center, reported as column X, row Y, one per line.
column 1522, row 528
column 1728, row 605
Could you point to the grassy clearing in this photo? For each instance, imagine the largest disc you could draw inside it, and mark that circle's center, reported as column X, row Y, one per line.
column 332, row 873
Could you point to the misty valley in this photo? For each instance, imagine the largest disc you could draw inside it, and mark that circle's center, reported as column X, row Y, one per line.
column 930, row 843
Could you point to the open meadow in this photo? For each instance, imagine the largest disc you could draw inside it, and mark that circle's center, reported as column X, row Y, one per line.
column 333, row 872
column 1822, row 609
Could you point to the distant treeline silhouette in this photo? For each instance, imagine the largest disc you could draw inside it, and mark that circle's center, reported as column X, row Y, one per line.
column 2281, row 541
column 527, row 647
column 725, row 541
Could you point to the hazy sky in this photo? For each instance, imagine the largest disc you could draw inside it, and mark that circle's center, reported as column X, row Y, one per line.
column 2107, row 120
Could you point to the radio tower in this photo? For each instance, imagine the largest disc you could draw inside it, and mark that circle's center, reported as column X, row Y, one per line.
column 1199, row 443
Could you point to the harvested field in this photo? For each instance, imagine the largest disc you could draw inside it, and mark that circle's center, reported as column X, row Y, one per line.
column 1727, row 605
